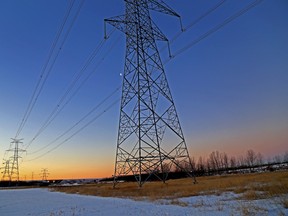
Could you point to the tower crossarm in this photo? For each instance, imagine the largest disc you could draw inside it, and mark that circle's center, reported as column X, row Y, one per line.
column 160, row 6
column 121, row 23
column 118, row 22
column 156, row 5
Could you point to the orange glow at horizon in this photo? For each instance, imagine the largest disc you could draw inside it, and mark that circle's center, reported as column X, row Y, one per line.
column 81, row 166
column 56, row 173
column 268, row 143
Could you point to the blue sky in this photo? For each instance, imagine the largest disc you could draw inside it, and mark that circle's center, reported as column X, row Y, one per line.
column 230, row 89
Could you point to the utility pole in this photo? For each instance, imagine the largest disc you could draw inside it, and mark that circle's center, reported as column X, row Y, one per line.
column 150, row 140
column 44, row 174
column 15, row 158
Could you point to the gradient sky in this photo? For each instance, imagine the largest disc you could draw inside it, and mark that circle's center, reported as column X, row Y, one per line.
column 230, row 89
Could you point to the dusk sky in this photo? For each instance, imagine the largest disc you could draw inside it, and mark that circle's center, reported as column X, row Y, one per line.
column 230, row 89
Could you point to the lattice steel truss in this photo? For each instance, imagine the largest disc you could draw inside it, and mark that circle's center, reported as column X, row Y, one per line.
column 6, row 172
column 150, row 139
column 14, row 174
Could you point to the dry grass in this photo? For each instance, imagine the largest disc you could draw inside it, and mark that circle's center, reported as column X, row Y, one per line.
column 285, row 203
column 251, row 186
column 249, row 209
column 179, row 203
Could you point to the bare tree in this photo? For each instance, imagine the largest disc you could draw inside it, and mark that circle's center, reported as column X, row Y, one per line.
column 259, row 159
column 215, row 160
column 233, row 162
column 211, row 161
column 277, row 159
column 201, row 164
column 224, row 159
column 208, row 165
column 251, row 158
column 241, row 161
column 193, row 163
column 285, row 157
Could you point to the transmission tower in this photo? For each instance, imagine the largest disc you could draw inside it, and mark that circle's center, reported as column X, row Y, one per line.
column 14, row 174
column 44, row 174
column 150, row 139
column 6, row 173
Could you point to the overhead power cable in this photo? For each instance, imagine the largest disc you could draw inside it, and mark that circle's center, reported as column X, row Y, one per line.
column 54, row 113
column 61, row 105
column 44, row 73
column 88, row 114
column 211, row 31
column 79, row 121
column 70, row 87
column 194, row 22
column 216, row 28
column 78, row 131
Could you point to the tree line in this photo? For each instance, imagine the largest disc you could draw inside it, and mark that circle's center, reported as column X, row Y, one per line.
column 219, row 162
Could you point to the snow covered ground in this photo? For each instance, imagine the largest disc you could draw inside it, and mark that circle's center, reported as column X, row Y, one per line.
column 42, row 202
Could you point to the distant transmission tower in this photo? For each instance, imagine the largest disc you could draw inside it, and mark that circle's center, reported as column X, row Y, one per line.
column 6, row 173
column 150, row 140
column 44, row 174
column 14, row 174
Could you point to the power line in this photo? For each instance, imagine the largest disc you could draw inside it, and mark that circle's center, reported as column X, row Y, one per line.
column 194, row 22
column 41, row 82
column 216, row 28
column 56, row 111
column 79, row 121
column 43, row 74
column 78, row 131
column 211, row 31
column 70, row 87
column 83, row 118
column 189, row 26
column 62, row 43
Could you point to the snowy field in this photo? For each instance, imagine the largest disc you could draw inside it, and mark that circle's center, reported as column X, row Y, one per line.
column 42, row 202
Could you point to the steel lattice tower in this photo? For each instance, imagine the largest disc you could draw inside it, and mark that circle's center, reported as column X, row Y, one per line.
column 6, row 172
column 150, row 139
column 45, row 174
column 15, row 159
